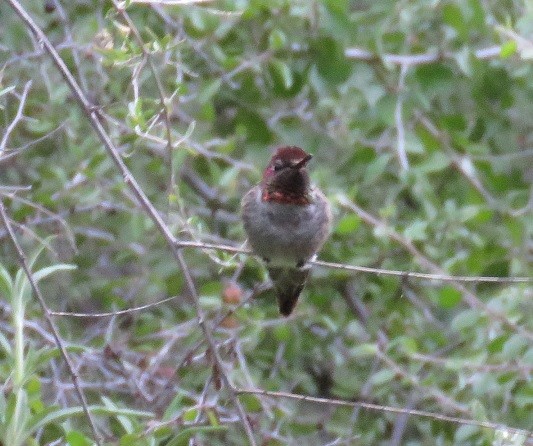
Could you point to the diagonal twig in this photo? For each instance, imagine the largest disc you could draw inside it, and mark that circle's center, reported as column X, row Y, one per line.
column 17, row 117
column 50, row 321
column 468, row 296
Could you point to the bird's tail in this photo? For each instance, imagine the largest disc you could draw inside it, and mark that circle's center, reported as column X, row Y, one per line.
column 288, row 284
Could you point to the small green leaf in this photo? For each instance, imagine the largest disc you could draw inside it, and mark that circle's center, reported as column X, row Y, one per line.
column 251, row 403
column 508, row 49
column 282, row 333
column 416, row 230
column 190, row 415
column 382, row 377
column 496, row 345
column 375, row 169
column 514, row 347
column 208, row 90
column 466, row 319
column 330, row 60
column 452, row 16
column 45, row 272
column 348, row 224
column 277, row 40
column 364, row 350
column 6, row 283
column 212, row 417
column 75, row 438
column 281, row 74
column 449, row 297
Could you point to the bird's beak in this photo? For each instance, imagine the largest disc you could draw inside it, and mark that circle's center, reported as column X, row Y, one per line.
column 303, row 162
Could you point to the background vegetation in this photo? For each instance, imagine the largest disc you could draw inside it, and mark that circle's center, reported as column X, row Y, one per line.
column 419, row 116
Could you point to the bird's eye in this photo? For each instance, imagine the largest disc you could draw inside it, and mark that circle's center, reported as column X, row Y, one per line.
column 278, row 165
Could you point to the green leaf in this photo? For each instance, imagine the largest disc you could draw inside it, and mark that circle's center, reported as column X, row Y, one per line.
column 348, row 224
column 364, row 350
column 508, row 49
column 281, row 74
column 416, row 230
column 186, row 434
column 252, row 403
column 330, row 60
column 466, row 319
column 282, row 333
column 76, row 438
column 382, row 377
column 190, row 415
column 435, row 162
column 45, row 272
column 452, row 15
column 375, row 169
column 277, row 39
column 208, row 90
column 449, row 297
column 6, row 283
column 514, row 347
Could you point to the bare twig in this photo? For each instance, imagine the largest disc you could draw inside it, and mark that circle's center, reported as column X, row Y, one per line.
column 462, row 162
column 213, row 347
column 164, row 102
column 381, row 408
column 50, row 321
column 16, row 119
column 398, row 117
column 364, row 269
column 468, row 296
column 416, row 59
column 113, row 313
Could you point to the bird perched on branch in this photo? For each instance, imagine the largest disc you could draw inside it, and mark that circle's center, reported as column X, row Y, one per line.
column 287, row 221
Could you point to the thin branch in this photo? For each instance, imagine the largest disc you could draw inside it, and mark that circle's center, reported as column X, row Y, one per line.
column 50, row 321
column 468, row 296
column 367, row 269
column 213, row 347
column 113, row 313
column 409, row 274
column 462, row 162
column 469, row 364
column 342, row 266
column 17, row 117
column 17, row 150
column 120, row 7
column 390, row 409
column 398, row 117
column 417, row 59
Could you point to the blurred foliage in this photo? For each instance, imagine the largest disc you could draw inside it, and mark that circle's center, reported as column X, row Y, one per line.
column 196, row 96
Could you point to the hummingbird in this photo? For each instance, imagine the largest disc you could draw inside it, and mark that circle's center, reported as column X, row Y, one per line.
column 287, row 221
